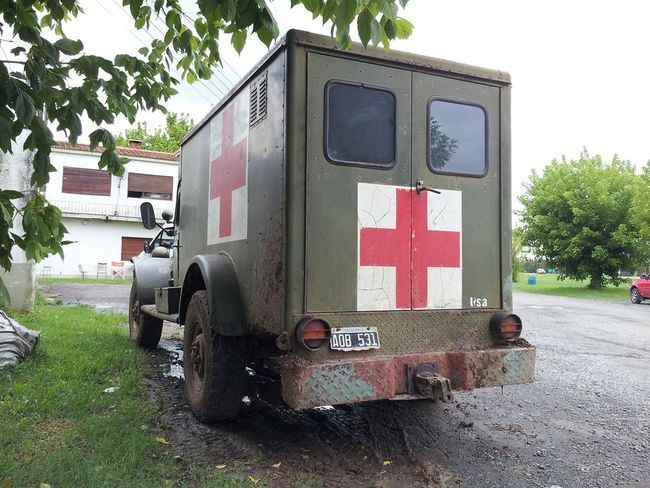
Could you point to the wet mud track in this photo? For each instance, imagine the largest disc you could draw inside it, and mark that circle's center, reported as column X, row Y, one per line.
column 381, row 444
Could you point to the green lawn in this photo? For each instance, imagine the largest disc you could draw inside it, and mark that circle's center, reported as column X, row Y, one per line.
column 91, row 281
column 548, row 284
column 59, row 427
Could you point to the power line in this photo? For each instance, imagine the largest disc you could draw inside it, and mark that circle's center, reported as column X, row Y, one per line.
column 223, row 60
column 217, row 96
column 207, row 80
column 217, row 74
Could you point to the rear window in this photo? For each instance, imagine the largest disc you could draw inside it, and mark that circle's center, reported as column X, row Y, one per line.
column 360, row 125
column 457, row 138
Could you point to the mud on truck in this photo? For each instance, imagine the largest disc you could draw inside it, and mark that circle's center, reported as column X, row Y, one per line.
column 342, row 234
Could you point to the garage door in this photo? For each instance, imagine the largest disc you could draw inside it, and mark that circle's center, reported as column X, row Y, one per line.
column 132, row 246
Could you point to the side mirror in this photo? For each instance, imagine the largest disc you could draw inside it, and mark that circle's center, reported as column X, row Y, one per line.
column 167, row 216
column 148, row 216
column 147, row 247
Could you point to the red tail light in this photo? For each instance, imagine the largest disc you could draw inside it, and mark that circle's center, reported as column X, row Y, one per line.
column 312, row 333
column 505, row 326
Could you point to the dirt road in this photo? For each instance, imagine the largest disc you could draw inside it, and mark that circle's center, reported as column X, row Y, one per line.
column 585, row 422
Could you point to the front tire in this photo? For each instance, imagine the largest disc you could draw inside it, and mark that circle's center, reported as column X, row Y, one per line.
column 144, row 329
column 214, row 365
column 635, row 296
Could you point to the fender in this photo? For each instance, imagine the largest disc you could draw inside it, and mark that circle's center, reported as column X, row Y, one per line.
column 216, row 273
column 150, row 273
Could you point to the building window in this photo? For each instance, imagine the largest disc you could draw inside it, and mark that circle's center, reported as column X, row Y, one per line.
column 132, row 246
column 360, row 125
column 84, row 181
column 150, row 186
column 457, row 138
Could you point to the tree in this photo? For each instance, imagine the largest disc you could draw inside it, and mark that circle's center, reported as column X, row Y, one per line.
column 641, row 215
column 441, row 146
column 51, row 81
column 517, row 250
column 579, row 215
column 167, row 139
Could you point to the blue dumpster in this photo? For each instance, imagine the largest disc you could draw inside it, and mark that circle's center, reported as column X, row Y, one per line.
column 532, row 280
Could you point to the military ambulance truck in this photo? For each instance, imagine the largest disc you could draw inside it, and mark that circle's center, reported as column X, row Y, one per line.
column 342, row 234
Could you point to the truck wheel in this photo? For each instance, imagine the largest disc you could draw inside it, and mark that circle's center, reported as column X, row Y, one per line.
column 214, row 365
column 145, row 330
column 635, row 296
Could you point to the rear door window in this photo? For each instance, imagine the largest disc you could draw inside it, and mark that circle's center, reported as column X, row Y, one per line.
column 457, row 138
column 360, row 125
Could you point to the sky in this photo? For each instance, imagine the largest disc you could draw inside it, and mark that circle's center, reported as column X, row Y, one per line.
column 580, row 69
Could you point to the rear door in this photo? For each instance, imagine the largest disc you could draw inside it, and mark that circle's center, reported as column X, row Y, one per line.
column 456, row 248
column 358, row 137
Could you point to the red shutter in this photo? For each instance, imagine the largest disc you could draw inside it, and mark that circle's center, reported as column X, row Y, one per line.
column 132, row 246
column 155, row 184
column 85, row 181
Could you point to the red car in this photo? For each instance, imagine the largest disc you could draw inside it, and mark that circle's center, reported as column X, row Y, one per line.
column 640, row 289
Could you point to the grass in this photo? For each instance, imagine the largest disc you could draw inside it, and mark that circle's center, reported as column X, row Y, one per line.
column 548, row 284
column 90, row 281
column 59, row 427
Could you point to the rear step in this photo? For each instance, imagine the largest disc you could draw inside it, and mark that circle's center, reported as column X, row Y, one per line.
column 153, row 311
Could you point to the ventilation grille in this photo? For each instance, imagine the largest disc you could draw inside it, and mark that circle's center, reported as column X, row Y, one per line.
column 258, row 106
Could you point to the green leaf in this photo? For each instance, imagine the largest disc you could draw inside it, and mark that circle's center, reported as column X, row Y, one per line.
column 25, row 110
column 404, row 28
column 345, row 14
column 173, row 20
column 328, row 10
column 314, row 6
column 238, row 40
column 389, row 9
column 5, row 300
column 364, row 27
column 69, row 46
column 11, row 194
column 375, row 32
column 389, row 28
column 103, row 136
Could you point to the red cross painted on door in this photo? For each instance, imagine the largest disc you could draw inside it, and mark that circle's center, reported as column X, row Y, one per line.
column 416, row 240
column 228, row 174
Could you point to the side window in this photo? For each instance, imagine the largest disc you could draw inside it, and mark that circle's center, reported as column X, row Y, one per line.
column 457, row 138
column 359, row 125
column 162, row 239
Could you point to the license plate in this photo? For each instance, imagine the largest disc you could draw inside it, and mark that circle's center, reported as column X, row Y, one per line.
column 354, row 338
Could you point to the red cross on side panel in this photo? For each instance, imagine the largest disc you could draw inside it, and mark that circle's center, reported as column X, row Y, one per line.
column 411, row 248
column 228, row 171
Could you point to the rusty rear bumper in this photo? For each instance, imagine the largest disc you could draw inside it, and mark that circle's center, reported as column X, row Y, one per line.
column 307, row 384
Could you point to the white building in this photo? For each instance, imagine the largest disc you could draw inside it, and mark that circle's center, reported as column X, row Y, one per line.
column 101, row 211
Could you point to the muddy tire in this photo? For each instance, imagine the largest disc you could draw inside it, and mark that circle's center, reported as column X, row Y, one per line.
column 214, row 365
column 635, row 296
column 144, row 329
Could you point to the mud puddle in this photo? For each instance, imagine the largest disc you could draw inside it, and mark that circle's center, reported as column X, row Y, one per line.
column 379, row 444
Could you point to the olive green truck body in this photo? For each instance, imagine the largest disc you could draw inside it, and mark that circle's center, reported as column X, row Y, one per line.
column 349, row 214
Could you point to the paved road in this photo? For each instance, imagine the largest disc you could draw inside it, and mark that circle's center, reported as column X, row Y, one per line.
column 585, row 422
column 113, row 297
